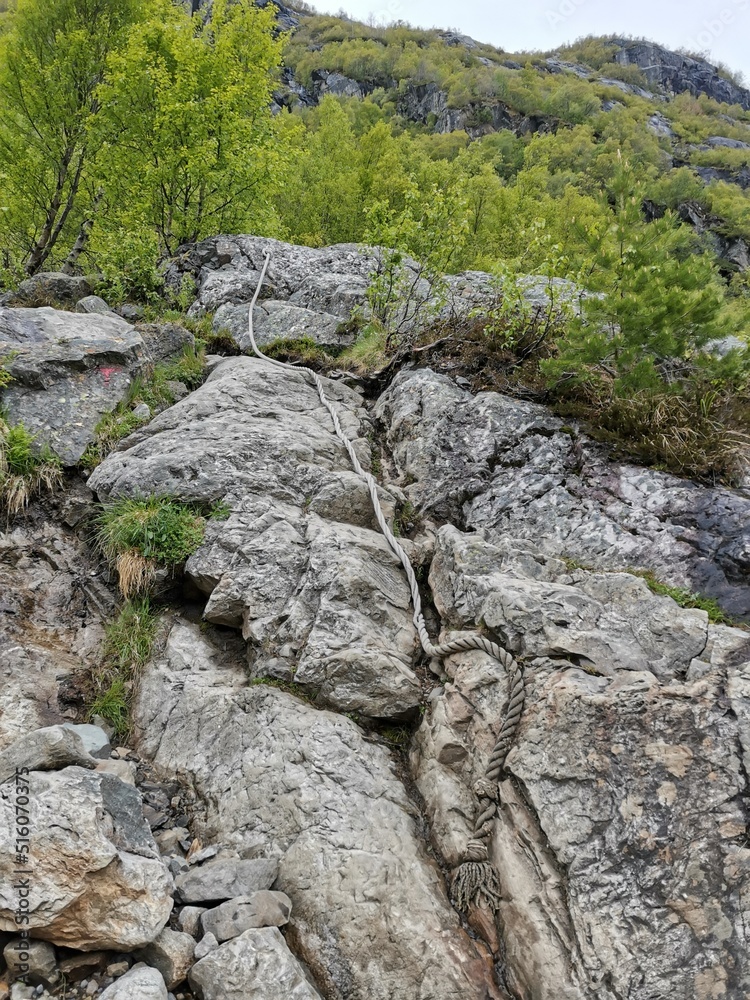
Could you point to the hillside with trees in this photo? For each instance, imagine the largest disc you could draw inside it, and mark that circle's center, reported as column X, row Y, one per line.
column 137, row 127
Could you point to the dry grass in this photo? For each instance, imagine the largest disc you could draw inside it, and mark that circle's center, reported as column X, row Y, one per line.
column 135, row 573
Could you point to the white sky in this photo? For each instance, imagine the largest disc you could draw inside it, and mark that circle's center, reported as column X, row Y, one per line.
column 721, row 27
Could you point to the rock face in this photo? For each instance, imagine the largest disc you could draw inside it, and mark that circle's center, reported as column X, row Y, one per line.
column 621, row 836
column 677, row 73
column 490, row 461
column 297, row 565
column 68, row 370
column 226, row 268
column 370, row 913
column 51, row 608
column 98, row 881
column 274, row 320
column 256, row 966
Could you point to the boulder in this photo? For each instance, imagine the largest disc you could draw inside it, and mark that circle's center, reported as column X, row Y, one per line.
column 298, row 564
column 94, row 739
column 172, row 954
column 371, row 915
column 68, row 369
column 92, row 304
column 141, row 983
column 205, row 946
column 255, row 966
column 501, row 463
column 33, row 961
column 98, row 881
column 274, row 320
column 47, row 749
column 189, row 920
column 261, row 909
column 226, row 879
column 48, row 288
column 165, row 340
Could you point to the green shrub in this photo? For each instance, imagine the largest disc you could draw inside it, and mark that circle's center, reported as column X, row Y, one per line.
column 25, row 470
column 112, row 704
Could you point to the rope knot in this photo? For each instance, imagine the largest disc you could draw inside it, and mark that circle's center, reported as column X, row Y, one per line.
column 484, row 789
column 475, row 883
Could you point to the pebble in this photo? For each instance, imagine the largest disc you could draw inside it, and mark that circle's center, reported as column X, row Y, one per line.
column 92, row 987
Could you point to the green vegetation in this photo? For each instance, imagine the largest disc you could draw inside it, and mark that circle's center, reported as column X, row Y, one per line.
column 155, row 391
column 127, row 646
column 139, row 534
column 685, row 598
column 25, row 469
column 304, row 694
column 129, row 129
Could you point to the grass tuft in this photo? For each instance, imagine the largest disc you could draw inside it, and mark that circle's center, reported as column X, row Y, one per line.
column 25, row 471
column 139, row 534
column 685, row 598
column 127, row 646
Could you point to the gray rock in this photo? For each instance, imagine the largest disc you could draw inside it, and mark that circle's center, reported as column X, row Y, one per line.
column 178, row 390
column 141, row 983
column 205, row 946
column 189, row 920
column 48, row 288
column 34, row 961
column 92, row 304
column 274, row 320
column 47, row 749
column 98, row 879
column 255, row 966
column 125, row 770
column 371, row 914
column 131, row 312
column 613, row 769
column 165, row 340
column 117, row 969
column 261, row 909
column 495, row 462
column 221, row 880
column 172, row 954
column 68, row 370
column 142, row 411
column 227, row 270
column 297, row 564
column 20, row 992
column 94, row 739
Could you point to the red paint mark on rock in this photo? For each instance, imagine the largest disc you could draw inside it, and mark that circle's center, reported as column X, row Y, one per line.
column 108, row 373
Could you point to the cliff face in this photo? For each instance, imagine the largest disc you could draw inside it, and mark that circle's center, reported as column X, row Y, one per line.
column 675, row 73
column 299, row 764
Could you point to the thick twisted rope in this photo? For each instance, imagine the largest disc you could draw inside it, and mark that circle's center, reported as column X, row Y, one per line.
column 475, row 880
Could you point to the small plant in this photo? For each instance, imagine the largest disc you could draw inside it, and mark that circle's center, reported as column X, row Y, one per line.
column 113, row 705
column 685, row 598
column 127, row 646
column 5, row 376
column 289, row 686
column 302, row 349
column 140, row 534
column 24, row 471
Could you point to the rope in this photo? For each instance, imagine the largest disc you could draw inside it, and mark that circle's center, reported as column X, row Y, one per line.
column 476, row 880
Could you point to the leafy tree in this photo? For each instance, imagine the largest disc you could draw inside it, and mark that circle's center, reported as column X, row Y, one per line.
column 188, row 144
column 52, row 62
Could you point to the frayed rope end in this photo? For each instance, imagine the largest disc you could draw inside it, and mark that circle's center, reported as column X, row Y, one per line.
column 474, row 883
